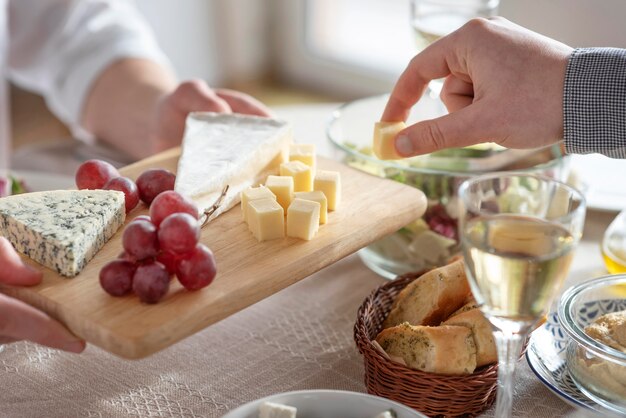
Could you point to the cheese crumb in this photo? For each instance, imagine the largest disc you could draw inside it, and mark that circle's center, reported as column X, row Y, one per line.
column 276, row 410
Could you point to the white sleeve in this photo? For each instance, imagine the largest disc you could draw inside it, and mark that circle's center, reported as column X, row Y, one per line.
column 58, row 48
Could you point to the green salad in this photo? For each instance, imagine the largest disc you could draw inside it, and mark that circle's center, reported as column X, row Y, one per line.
column 10, row 185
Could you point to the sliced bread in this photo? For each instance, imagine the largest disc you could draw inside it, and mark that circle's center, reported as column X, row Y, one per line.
column 431, row 298
column 482, row 332
column 446, row 349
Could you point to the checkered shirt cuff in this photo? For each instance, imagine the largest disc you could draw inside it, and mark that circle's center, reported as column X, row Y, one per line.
column 594, row 102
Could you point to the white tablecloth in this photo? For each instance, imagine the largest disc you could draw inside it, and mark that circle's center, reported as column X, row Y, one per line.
column 300, row 338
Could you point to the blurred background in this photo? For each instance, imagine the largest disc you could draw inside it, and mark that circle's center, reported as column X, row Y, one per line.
column 306, row 51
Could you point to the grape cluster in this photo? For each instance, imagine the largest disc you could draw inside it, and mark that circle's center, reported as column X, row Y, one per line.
column 157, row 246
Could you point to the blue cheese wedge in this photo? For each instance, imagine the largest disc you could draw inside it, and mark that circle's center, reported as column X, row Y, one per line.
column 228, row 149
column 61, row 229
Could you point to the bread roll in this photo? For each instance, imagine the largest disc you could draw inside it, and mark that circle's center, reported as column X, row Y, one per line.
column 469, row 304
column 482, row 332
column 431, row 298
column 446, row 349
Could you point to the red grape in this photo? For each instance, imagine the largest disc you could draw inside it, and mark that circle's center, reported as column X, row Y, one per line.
column 125, row 256
column 151, row 282
column 179, row 233
column 94, row 174
column 154, row 181
column 126, row 185
column 116, row 277
column 140, row 240
column 169, row 260
column 197, row 269
column 142, row 218
column 170, row 202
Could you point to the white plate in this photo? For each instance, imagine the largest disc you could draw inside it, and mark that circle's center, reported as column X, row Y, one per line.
column 327, row 404
column 546, row 357
column 603, row 178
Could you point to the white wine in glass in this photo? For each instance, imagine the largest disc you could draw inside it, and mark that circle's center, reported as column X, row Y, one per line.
column 432, row 19
column 534, row 254
column 518, row 233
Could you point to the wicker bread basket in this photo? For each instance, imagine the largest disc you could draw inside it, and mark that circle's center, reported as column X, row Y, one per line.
column 430, row 393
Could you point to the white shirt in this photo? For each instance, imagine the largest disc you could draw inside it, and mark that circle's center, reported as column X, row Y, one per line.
column 58, row 48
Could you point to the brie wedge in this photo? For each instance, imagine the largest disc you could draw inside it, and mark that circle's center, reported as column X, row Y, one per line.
column 228, row 149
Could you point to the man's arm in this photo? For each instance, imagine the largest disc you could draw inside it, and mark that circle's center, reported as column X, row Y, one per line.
column 102, row 73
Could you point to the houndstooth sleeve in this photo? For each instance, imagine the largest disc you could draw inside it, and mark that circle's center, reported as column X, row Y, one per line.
column 594, row 102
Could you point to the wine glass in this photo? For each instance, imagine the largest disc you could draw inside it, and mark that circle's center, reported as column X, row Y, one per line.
column 432, row 19
column 518, row 232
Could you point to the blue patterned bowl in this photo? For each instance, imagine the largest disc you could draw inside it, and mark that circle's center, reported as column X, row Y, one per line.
column 598, row 369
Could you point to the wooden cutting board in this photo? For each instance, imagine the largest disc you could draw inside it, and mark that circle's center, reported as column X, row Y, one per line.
column 248, row 271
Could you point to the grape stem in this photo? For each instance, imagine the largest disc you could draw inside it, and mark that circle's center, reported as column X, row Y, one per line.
column 210, row 210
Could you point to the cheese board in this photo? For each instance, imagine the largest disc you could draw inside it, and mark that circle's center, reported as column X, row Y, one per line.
column 248, row 271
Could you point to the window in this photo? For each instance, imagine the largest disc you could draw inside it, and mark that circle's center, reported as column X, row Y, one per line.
column 354, row 48
column 373, row 35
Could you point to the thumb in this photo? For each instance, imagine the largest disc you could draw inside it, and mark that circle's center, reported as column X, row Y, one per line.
column 14, row 271
column 457, row 129
column 196, row 95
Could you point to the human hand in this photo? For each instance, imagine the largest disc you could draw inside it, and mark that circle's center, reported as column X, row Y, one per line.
column 503, row 84
column 19, row 321
column 196, row 95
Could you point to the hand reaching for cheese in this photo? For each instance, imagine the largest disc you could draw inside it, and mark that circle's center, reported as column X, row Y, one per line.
column 503, row 84
column 19, row 321
column 197, row 96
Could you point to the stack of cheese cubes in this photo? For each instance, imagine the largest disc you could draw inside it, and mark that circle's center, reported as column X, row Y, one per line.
column 301, row 192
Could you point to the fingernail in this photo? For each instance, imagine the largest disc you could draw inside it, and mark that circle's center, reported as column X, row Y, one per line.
column 32, row 269
column 76, row 346
column 404, row 145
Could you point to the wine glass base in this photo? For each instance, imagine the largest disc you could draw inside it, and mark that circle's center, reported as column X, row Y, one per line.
column 517, row 326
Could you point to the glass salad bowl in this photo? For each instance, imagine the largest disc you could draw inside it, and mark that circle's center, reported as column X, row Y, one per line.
column 431, row 240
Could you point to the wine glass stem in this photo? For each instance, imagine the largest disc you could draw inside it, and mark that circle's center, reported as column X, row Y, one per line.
column 509, row 347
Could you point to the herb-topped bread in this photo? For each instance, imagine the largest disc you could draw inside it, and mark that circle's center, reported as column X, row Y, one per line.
column 446, row 349
column 431, row 298
column 482, row 332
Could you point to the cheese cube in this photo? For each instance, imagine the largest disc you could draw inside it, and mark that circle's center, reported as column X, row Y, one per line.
column 303, row 219
column 282, row 187
column 384, row 136
column 304, row 153
column 266, row 219
column 301, row 173
column 276, row 410
column 319, row 197
column 329, row 183
column 253, row 193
